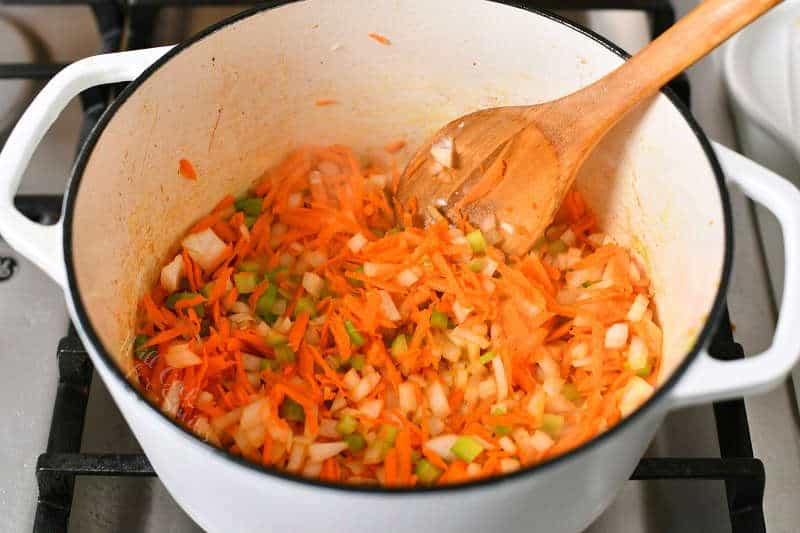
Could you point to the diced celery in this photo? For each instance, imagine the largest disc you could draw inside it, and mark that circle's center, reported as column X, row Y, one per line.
column 496, row 411
column 476, row 265
column 539, row 242
column 273, row 274
column 284, row 354
column 466, row 448
column 644, row 372
column 388, row 434
column 502, row 430
column 355, row 442
column 587, row 284
column 552, row 424
column 249, row 266
column 570, row 392
column 268, row 364
column 439, row 319
column 357, row 361
column 305, row 305
column 426, row 472
column 291, row 410
column 206, row 289
column 487, row 357
column 556, row 247
column 353, row 333
column 266, row 301
column 347, row 425
column 399, row 345
column 250, row 206
column 249, row 221
column 144, row 353
column 245, row 282
column 476, row 241
column 275, row 339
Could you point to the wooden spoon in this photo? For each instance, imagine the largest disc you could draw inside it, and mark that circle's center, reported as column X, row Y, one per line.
column 519, row 162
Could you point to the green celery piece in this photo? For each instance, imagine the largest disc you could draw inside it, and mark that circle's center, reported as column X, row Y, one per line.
column 466, row 448
column 487, row 357
column 476, row 241
column 268, row 364
column 426, row 472
column 570, row 392
column 439, row 319
column 273, row 274
column 645, row 371
column 556, row 247
column 388, row 434
column 291, row 410
column 175, row 297
column 355, row 442
column 353, row 333
column 245, row 282
column 249, row 266
column 357, row 361
column 502, row 430
column 275, row 339
column 476, row 265
column 399, row 345
column 552, row 424
column 347, row 425
column 284, row 354
column 251, row 206
column 305, row 305
column 266, row 301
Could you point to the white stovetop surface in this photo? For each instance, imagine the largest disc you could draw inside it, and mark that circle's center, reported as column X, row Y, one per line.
column 32, row 319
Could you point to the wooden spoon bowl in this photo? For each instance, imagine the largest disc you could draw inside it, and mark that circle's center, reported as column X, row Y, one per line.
column 518, row 163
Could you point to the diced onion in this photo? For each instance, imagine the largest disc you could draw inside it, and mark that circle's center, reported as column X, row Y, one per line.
column 637, row 353
column 487, row 388
column 487, row 223
column 636, row 393
column 379, row 180
column 443, row 150
column 407, row 397
column 180, row 356
column 507, row 445
column 435, row 425
column 508, row 465
column 319, row 451
column 172, row 400
column 296, row 456
column 541, row 441
column 639, row 306
column 388, row 306
column 616, row 336
column 460, row 311
column 371, row 408
column 438, row 399
column 312, row 470
column 407, row 278
column 251, row 363
column 252, row 414
column 317, row 258
column 489, row 268
column 356, row 243
column 204, row 247
column 312, row 283
column 500, row 378
column 295, row 200
column 441, row 446
column 372, row 270
column 365, row 386
column 172, row 273
column 507, row 228
column 351, row 379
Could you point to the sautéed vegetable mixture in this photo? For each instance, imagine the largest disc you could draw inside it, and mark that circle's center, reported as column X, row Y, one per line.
column 310, row 327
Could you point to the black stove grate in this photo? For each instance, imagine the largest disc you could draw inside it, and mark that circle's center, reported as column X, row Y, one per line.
column 57, row 468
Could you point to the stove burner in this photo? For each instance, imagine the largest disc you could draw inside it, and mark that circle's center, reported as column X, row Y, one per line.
column 7, row 267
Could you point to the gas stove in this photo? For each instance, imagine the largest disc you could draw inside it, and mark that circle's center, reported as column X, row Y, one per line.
column 69, row 460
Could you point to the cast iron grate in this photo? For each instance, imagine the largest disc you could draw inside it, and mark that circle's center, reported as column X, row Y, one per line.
column 57, row 468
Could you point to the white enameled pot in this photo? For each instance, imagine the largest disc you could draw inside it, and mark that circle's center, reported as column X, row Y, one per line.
column 235, row 98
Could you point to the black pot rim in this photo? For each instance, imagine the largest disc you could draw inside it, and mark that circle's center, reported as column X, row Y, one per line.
column 660, row 394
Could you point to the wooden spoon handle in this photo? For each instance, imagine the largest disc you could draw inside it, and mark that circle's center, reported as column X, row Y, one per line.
column 599, row 106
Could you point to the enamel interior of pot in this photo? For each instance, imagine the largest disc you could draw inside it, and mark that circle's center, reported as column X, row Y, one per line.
column 236, row 101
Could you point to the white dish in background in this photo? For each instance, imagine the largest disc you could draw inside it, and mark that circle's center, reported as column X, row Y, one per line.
column 762, row 75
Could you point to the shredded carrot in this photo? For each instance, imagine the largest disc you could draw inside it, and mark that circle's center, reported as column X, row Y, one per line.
column 378, row 38
column 322, row 102
column 186, row 169
column 398, row 326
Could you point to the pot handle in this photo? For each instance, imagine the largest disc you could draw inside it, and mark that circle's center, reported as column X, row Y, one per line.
column 709, row 379
column 39, row 243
